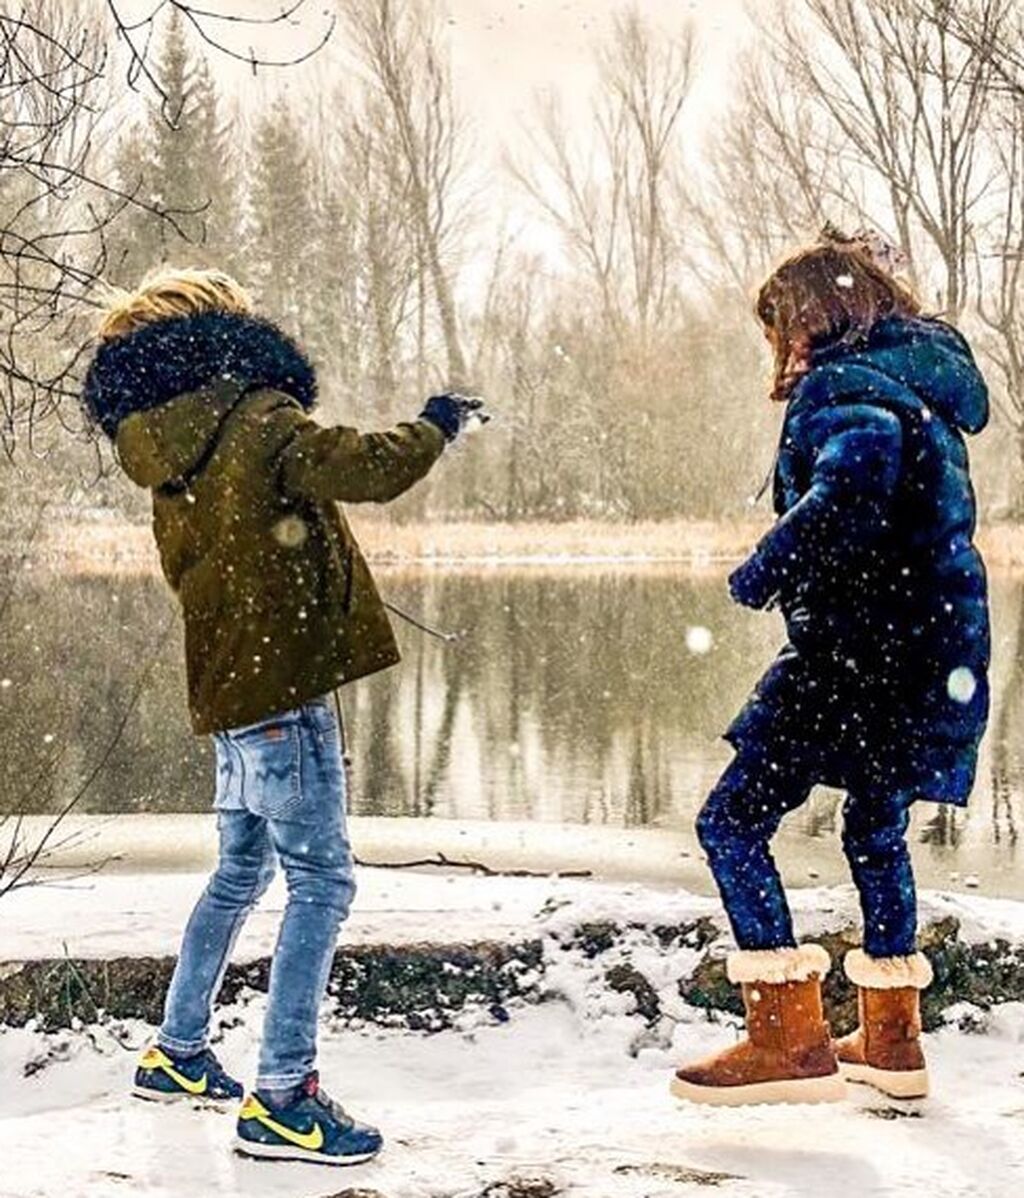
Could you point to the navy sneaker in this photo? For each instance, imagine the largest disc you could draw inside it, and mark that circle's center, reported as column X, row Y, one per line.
column 163, row 1077
column 311, row 1127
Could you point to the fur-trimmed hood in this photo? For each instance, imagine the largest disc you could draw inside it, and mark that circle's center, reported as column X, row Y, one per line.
column 158, row 362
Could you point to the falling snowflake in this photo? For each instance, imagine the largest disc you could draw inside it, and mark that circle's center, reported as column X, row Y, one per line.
column 291, row 531
column 699, row 639
column 961, row 685
column 844, row 281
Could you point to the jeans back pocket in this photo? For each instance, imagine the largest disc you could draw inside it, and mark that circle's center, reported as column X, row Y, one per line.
column 271, row 763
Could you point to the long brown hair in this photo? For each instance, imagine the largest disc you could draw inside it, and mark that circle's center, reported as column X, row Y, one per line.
column 830, row 294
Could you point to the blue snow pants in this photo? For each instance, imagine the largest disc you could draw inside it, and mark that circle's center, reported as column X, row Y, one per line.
column 743, row 813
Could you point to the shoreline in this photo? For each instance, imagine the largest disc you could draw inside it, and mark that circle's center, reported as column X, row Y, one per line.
column 174, row 843
column 100, row 546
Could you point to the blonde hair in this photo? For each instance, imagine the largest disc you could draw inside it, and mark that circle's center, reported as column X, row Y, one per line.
column 167, row 292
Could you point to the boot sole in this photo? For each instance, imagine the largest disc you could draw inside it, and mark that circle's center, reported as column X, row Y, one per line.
column 831, row 1088
column 286, row 1152
column 897, row 1083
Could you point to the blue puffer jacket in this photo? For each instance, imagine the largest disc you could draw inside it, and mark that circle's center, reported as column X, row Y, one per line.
column 884, row 680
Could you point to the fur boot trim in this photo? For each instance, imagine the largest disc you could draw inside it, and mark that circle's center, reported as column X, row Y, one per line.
column 888, row 973
column 773, row 966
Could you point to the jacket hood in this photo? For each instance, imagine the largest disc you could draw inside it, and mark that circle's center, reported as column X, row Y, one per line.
column 148, row 368
column 169, row 444
column 929, row 358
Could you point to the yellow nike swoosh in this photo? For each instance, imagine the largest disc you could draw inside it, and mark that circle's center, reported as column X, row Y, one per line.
column 153, row 1058
column 312, row 1140
column 193, row 1087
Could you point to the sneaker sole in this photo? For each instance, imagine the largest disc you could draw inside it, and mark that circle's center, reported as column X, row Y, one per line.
column 289, row 1152
column 181, row 1096
column 788, row 1090
column 897, row 1083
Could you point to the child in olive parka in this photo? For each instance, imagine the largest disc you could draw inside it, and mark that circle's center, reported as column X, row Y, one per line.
column 208, row 407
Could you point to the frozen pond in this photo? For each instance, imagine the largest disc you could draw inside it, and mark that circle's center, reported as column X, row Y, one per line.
column 575, row 696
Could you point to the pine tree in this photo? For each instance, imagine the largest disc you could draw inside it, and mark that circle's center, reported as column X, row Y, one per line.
column 283, row 220
column 180, row 159
column 336, row 327
column 216, row 151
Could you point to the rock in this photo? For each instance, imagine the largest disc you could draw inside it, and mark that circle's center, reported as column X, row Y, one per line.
column 699, row 934
column 981, row 974
column 421, row 987
column 355, row 1194
column 521, row 1187
column 683, row 1174
column 592, row 939
column 626, row 979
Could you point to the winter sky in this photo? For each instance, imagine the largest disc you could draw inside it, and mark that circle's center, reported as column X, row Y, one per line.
column 505, row 51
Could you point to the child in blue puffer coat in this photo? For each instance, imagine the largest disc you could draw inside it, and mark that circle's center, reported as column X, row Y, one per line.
column 882, row 687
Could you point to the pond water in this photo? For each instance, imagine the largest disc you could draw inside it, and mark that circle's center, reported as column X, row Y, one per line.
column 574, row 695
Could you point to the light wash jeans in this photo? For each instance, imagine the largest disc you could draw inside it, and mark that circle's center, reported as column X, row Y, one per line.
column 281, row 791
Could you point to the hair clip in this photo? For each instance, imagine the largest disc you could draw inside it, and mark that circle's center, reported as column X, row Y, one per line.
column 886, row 255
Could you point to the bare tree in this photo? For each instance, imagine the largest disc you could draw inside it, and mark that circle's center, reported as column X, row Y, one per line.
column 774, row 174
column 57, row 201
column 610, row 200
column 217, row 31
column 999, row 270
column 648, row 78
column 57, row 207
column 374, row 170
column 398, row 45
column 993, row 34
column 909, row 99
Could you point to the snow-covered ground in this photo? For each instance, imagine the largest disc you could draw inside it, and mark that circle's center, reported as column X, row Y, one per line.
column 573, row 1091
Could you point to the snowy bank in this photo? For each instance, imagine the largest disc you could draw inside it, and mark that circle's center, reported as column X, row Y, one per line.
column 561, row 1091
column 425, row 947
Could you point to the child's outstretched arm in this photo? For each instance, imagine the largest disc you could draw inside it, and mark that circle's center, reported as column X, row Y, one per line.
column 342, row 464
column 856, row 468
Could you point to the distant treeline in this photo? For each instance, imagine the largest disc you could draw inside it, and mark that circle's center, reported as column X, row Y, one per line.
column 626, row 370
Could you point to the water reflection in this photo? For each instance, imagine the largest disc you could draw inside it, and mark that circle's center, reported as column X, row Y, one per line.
column 573, row 696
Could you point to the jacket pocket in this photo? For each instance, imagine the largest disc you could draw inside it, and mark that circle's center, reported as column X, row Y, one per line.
column 271, row 767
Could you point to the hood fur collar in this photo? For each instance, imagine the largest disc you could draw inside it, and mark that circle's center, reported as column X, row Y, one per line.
column 149, row 367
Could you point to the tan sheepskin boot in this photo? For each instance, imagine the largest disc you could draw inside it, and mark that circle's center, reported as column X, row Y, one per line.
column 787, row 1055
column 885, row 1050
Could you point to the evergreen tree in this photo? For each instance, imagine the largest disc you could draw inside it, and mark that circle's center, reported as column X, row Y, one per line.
column 216, row 151
column 283, row 220
column 337, row 325
column 179, row 159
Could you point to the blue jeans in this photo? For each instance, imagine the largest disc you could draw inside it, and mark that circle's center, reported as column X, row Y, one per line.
column 743, row 813
column 281, row 792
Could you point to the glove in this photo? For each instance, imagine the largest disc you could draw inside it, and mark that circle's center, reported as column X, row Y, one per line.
column 750, row 585
column 451, row 412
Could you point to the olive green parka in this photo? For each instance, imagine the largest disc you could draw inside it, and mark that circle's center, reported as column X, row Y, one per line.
column 279, row 605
